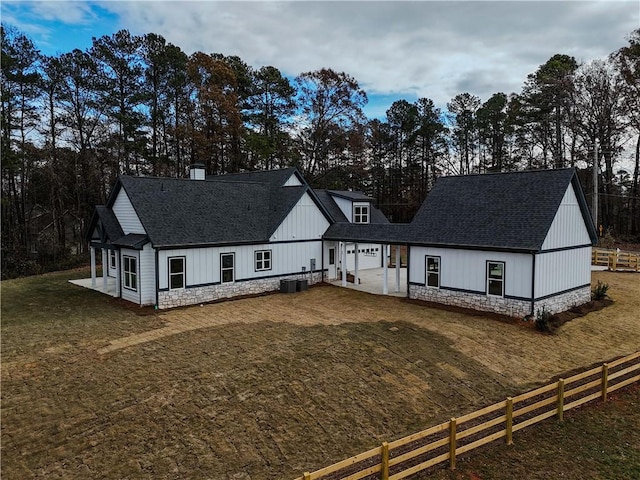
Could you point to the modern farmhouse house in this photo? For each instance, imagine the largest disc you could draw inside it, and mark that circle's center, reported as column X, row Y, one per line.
column 170, row 242
column 510, row 243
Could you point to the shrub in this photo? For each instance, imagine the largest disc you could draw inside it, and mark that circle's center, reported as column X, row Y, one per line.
column 600, row 291
column 542, row 320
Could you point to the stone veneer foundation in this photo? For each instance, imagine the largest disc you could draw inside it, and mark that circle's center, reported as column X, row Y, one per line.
column 209, row 293
column 505, row 306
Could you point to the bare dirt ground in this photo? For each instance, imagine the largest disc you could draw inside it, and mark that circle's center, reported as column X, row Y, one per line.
column 265, row 387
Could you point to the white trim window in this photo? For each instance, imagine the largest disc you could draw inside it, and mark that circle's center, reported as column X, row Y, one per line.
column 112, row 259
column 495, row 279
column 361, row 213
column 227, row 267
column 177, row 273
column 130, row 272
column 263, row 260
column 433, row 271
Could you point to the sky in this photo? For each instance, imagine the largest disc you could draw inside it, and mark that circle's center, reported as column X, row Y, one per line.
column 395, row 50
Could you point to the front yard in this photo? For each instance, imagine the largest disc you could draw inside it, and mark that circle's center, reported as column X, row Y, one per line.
column 259, row 388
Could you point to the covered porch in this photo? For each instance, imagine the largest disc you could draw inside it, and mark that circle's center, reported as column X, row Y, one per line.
column 372, row 281
column 109, row 287
column 387, row 280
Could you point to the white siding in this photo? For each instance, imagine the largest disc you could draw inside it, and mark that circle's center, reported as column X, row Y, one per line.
column 126, row 215
column 147, row 275
column 568, row 228
column 466, row 269
column 564, row 270
column 346, row 206
column 304, row 222
column 127, row 294
column 293, row 181
column 203, row 264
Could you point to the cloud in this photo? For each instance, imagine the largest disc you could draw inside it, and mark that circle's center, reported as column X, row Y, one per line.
column 409, row 49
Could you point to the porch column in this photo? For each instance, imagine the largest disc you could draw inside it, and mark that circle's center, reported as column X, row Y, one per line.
column 344, row 264
column 118, row 274
column 93, row 266
column 385, row 269
column 355, row 278
column 105, row 269
column 397, row 268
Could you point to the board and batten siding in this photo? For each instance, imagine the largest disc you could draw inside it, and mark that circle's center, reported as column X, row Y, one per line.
column 126, row 214
column 128, row 294
column 203, row 264
column 305, row 221
column 467, row 270
column 568, row 228
column 561, row 271
column 346, row 206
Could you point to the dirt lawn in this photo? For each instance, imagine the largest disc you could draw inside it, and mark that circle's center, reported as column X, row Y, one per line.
column 266, row 387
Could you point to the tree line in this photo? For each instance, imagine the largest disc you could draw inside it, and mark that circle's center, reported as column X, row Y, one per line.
column 138, row 105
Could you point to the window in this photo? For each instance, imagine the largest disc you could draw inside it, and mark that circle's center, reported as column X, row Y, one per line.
column 176, row 273
column 495, row 278
column 227, row 274
column 332, row 256
column 130, row 272
column 112, row 258
column 263, row 260
column 361, row 214
column 433, row 272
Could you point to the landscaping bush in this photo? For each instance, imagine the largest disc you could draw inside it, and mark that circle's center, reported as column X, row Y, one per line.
column 600, row 291
column 542, row 320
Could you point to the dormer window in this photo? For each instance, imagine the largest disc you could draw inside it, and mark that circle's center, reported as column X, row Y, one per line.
column 361, row 213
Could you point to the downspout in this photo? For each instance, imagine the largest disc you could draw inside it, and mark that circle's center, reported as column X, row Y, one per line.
column 157, row 279
column 533, row 284
column 408, row 267
column 321, row 262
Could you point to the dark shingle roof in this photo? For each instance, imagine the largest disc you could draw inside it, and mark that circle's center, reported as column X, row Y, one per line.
column 273, row 177
column 200, row 212
column 326, row 198
column 110, row 224
column 132, row 240
column 369, row 232
column 512, row 211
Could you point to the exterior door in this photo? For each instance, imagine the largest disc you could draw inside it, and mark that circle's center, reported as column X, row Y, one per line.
column 332, row 263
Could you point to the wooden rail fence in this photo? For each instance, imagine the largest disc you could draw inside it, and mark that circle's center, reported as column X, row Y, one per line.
column 443, row 443
column 614, row 260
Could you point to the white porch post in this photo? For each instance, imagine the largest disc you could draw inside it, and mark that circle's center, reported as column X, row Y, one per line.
column 344, row 263
column 355, row 278
column 385, row 269
column 397, row 268
column 93, row 266
column 117, row 274
column 105, row 269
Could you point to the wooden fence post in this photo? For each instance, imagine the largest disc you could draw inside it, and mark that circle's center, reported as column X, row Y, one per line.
column 560, row 413
column 385, row 461
column 452, row 444
column 605, row 381
column 509, row 421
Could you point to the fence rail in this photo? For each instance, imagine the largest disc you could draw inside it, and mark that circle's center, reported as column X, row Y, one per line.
column 443, row 443
column 614, row 260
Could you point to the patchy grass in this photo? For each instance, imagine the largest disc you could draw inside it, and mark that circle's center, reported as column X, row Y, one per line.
column 601, row 441
column 259, row 388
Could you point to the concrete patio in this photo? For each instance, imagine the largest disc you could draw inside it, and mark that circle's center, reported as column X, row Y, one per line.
column 99, row 286
column 371, row 281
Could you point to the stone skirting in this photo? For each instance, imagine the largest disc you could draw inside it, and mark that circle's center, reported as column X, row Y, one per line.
column 209, row 293
column 474, row 301
column 564, row 301
column 504, row 306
